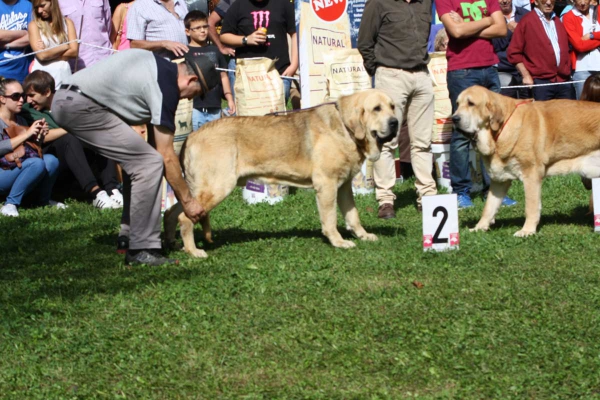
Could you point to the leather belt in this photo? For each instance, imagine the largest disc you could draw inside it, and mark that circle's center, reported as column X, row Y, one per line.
column 73, row 88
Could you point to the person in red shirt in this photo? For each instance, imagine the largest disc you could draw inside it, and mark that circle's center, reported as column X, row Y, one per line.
column 581, row 24
column 540, row 51
column 471, row 25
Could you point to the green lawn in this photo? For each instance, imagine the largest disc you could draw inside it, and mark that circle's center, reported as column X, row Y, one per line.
column 276, row 312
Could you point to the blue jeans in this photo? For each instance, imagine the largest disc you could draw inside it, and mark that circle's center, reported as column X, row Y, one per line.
column 200, row 118
column 459, row 80
column 552, row 92
column 35, row 174
column 287, row 86
column 231, row 75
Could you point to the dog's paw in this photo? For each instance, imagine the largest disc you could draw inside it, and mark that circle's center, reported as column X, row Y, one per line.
column 369, row 237
column 197, row 253
column 524, row 233
column 345, row 244
column 480, row 228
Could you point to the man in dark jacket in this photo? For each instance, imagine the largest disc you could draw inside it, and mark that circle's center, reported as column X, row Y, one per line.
column 508, row 74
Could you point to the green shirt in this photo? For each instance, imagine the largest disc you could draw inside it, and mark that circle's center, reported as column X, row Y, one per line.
column 30, row 114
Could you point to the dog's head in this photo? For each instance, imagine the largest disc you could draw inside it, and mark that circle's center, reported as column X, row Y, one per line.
column 370, row 117
column 479, row 112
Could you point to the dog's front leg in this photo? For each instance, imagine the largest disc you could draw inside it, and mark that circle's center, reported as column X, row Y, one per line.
column 326, row 199
column 350, row 213
column 494, row 200
column 532, row 183
column 170, row 223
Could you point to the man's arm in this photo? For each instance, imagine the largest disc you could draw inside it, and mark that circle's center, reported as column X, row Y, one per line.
column 179, row 49
column 498, row 28
column 164, row 145
column 213, row 20
column 10, row 36
column 291, row 70
column 527, row 79
column 54, row 134
column 459, row 29
column 367, row 36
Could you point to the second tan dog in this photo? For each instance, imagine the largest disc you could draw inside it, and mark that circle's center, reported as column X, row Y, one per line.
column 528, row 141
column 322, row 147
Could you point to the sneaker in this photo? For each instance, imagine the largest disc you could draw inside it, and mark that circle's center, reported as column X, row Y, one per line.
column 57, row 204
column 149, row 257
column 122, row 244
column 9, row 210
column 508, row 202
column 464, row 201
column 102, row 201
column 386, row 211
column 117, row 197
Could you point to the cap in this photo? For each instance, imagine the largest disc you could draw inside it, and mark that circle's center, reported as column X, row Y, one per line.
column 204, row 69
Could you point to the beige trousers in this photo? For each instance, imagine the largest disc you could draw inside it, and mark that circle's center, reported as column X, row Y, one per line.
column 412, row 93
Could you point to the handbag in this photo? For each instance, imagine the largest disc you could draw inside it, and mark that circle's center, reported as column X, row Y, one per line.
column 28, row 149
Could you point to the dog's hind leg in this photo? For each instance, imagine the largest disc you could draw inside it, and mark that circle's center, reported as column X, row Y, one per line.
column 348, row 208
column 206, row 228
column 496, row 194
column 326, row 199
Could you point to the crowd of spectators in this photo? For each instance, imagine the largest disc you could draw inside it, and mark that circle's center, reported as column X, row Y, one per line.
column 50, row 29
column 493, row 43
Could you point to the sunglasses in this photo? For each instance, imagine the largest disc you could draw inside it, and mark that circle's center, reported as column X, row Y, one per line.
column 16, row 96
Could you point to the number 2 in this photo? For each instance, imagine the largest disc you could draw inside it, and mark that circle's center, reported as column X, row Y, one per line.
column 436, row 236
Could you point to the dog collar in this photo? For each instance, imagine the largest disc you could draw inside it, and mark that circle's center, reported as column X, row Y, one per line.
column 511, row 114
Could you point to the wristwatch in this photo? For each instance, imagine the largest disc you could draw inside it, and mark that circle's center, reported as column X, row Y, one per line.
column 591, row 35
column 244, row 41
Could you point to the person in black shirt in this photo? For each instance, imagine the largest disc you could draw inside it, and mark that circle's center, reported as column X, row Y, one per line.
column 259, row 28
column 208, row 108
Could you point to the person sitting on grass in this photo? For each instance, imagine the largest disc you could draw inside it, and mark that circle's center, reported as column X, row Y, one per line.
column 208, row 108
column 39, row 89
column 33, row 175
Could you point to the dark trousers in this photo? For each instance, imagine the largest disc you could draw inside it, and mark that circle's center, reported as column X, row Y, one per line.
column 518, row 93
column 70, row 153
column 563, row 91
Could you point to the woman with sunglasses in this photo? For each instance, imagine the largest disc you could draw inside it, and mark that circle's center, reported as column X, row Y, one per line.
column 35, row 174
column 50, row 30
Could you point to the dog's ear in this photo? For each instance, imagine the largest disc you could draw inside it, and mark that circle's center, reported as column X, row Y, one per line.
column 496, row 114
column 353, row 113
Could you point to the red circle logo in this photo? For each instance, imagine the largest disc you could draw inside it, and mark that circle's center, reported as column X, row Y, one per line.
column 329, row 10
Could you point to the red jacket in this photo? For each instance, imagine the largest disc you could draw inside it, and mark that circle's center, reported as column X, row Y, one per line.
column 574, row 30
column 531, row 46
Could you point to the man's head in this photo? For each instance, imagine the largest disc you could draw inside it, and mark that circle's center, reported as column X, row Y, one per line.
column 196, row 76
column 506, row 6
column 39, row 86
column 583, row 6
column 196, row 26
column 545, row 6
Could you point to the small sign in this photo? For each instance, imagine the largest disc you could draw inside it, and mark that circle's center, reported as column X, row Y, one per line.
column 440, row 222
column 596, row 196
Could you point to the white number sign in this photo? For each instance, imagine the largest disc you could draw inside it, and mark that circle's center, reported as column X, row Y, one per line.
column 596, row 194
column 440, row 223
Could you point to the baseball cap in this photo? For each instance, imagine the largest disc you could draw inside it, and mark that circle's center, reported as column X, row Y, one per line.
column 204, row 69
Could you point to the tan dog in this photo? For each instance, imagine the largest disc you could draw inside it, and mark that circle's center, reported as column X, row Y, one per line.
column 322, row 147
column 528, row 140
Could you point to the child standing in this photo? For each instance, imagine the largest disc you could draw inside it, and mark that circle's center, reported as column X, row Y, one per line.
column 208, row 108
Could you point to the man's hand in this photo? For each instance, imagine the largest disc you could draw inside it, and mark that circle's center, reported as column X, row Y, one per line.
column 179, row 49
column 227, row 51
column 193, row 210
column 456, row 17
column 527, row 80
column 512, row 25
column 289, row 71
column 257, row 38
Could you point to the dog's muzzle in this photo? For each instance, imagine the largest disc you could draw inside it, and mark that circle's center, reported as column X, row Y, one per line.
column 469, row 135
column 392, row 132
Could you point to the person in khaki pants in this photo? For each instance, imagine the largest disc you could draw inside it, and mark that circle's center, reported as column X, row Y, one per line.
column 393, row 43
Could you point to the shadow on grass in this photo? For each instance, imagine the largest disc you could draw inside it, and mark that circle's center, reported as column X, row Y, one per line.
column 577, row 216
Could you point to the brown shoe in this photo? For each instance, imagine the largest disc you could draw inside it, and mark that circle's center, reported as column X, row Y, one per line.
column 386, row 211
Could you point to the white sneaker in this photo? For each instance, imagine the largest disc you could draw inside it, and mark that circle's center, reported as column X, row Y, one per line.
column 57, row 204
column 10, row 210
column 102, row 201
column 117, row 197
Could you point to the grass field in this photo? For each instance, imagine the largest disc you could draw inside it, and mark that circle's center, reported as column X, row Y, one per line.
column 275, row 312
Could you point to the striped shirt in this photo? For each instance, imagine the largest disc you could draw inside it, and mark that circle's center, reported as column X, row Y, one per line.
column 150, row 20
column 550, row 28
